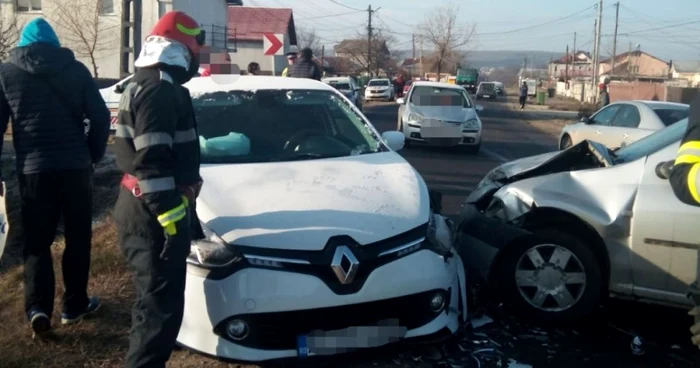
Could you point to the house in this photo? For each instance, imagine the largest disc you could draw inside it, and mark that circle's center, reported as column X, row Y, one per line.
column 529, row 73
column 578, row 64
column 72, row 18
column 356, row 50
column 637, row 65
column 246, row 28
column 412, row 66
column 688, row 70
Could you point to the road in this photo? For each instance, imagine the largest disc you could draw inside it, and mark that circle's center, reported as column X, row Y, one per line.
column 602, row 342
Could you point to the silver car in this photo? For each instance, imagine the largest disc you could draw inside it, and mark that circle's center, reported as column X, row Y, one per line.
column 557, row 232
column 440, row 114
column 347, row 87
column 622, row 123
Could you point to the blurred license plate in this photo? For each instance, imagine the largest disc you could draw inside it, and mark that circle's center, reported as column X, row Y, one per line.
column 441, row 131
column 349, row 339
column 487, row 96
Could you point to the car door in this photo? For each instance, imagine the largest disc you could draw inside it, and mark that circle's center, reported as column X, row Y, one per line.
column 598, row 127
column 664, row 237
column 624, row 128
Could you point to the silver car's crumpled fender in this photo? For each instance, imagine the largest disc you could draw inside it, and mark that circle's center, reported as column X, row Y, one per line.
column 601, row 197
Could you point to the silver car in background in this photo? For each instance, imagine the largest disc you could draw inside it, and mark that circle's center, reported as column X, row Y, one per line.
column 622, row 123
column 440, row 114
column 347, row 87
column 553, row 234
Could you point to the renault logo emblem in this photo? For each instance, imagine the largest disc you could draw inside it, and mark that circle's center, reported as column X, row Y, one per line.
column 344, row 264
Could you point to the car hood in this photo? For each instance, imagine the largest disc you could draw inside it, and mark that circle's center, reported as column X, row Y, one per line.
column 584, row 155
column 299, row 205
column 451, row 113
column 374, row 88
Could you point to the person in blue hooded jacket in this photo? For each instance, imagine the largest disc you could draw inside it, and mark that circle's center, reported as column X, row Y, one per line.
column 48, row 95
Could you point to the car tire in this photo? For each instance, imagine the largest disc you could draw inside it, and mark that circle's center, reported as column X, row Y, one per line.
column 582, row 262
column 565, row 142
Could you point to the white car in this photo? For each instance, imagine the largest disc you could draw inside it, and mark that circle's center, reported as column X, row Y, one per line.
column 379, row 89
column 622, row 123
column 347, row 87
column 309, row 237
column 440, row 114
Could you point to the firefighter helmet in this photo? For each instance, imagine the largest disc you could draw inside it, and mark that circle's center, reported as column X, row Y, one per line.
column 180, row 27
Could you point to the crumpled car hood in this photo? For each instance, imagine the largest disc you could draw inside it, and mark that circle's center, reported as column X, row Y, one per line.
column 299, row 205
column 584, row 155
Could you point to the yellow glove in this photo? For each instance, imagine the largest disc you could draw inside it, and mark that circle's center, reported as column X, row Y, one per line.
column 695, row 330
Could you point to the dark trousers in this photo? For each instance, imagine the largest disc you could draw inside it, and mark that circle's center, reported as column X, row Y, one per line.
column 160, row 288
column 45, row 198
column 523, row 100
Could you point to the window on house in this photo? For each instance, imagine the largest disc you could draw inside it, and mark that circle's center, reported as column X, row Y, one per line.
column 28, row 5
column 164, row 6
column 107, row 7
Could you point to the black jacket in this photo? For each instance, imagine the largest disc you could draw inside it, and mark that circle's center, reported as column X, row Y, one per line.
column 304, row 69
column 156, row 141
column 47, row 134
column 686, row 170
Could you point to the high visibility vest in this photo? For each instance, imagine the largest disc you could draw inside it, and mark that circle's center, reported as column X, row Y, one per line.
column 284, row 72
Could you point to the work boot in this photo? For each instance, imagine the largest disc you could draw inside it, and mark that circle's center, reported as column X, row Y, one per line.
column 40, row 323
column 73, row 318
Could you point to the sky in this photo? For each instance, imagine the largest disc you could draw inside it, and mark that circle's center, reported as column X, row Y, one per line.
column 659, row 27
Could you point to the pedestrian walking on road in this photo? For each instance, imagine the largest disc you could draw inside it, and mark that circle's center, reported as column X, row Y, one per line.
column 305, row 67
column 157, row 148
column 604, row 97
column 49, row 95
column 523, row 95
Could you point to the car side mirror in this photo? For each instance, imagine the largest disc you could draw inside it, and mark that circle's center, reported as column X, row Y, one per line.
column 663, row 169
column 400, row 101
column 479, row 108
column 395, row 140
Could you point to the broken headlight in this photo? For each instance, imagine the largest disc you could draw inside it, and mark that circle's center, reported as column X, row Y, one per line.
column 439, row 235
column 508, row 204
column 212, row 251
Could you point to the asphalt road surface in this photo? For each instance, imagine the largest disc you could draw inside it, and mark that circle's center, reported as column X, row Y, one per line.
column 602, row 341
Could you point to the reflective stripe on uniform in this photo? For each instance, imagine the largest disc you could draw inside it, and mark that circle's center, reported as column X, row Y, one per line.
column 157, row 184
column 152, row 139
column 284, row 72
column 123, row 131
column 166, row 77
column 693, row 179
column 688, row 153
column 169, row 218
column 184, row 136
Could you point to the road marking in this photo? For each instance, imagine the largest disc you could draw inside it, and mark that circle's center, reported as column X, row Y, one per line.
column 493, row 155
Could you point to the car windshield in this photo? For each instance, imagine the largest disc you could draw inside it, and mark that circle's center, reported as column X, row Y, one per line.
column 341, row 86
column 652, row 143
column 487, row 86
column 670, row 116
column 280, row 125
column 378, row 83
column 438, row 96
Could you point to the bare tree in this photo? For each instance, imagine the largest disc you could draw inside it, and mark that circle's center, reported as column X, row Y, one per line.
column 85, row 30
column 307, row 37
column 381, row 56
column 9, row 34
column 442, row 31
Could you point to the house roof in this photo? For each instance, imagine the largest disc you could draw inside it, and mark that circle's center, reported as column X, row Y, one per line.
column 410, row 61
column 355, row 46
column 686, row 66
column 579, row 56
column 249, row 23
column 624, row 55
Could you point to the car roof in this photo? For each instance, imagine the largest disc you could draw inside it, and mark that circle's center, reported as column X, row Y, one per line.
column 336, row 79
column 487, row 83
column 436, row 84
column 654, row 104
column 235, row 82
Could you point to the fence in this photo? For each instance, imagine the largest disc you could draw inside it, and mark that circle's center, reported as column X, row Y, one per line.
column 681, row 95
column 579, row 90
column 622, row 91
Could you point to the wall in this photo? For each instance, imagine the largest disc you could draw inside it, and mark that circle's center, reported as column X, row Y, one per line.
column 581, row 91
column 681, row 95
column 645, row 64
column 249, row 51
column 637, row 91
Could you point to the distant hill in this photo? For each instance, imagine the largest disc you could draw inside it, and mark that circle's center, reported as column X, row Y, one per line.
column 503, row 59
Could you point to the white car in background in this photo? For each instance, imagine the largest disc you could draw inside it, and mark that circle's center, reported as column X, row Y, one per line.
column 380, row 89
column 622, row 123
column 347, row 87
column 311, row 248
column 440, row 114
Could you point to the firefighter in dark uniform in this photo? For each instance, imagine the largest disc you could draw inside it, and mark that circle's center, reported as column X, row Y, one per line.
column 685, row 181
column 157, row 147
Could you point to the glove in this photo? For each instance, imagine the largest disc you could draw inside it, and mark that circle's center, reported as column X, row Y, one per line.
column 695, row 329
column 176, row 225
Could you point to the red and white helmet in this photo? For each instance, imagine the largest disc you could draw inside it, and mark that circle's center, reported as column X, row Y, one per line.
column 180, row 27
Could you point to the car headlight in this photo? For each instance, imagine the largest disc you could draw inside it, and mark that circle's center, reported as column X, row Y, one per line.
column 414, row 118
column 471, row 124
column 212, row 252
column 509, row 204
column 439, row 234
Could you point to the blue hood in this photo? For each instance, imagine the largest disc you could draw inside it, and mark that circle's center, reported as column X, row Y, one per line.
column 38, row 30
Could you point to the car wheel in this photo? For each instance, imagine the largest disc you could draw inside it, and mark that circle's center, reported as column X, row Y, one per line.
column 555, row 279
column 565, row 142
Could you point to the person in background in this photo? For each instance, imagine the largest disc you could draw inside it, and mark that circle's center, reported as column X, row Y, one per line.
column 305, row 67
column 291, row 60
column 523, row 95
column 48, row 94
column 157, row 148
column 604, row 97
column 254, row 68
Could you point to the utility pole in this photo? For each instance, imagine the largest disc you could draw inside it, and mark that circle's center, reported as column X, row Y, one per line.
column 614, row 55
column 595, row 51
column 413, row 59
column 421, row 55
column 138, row 16
column 323, row 54
column 566, row 70
column 369, row 41
column 597, row 54
column 573, row 58
column 125, row 47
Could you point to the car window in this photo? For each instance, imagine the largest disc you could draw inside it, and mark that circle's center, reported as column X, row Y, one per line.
column 487, row 86
column 670, row 116
column 341, row 86
column 378, row 83
column 438, row 96
column 651, row 143
column 627, row 117
column 279, row 125
column 606, row 115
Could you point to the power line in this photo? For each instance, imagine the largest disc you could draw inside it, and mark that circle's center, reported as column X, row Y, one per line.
column 659, row 28
column 331, row 15
column 345, row 6
column 541, row 24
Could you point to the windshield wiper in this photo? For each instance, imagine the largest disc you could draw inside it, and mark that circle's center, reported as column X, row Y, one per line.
column 306, row 156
